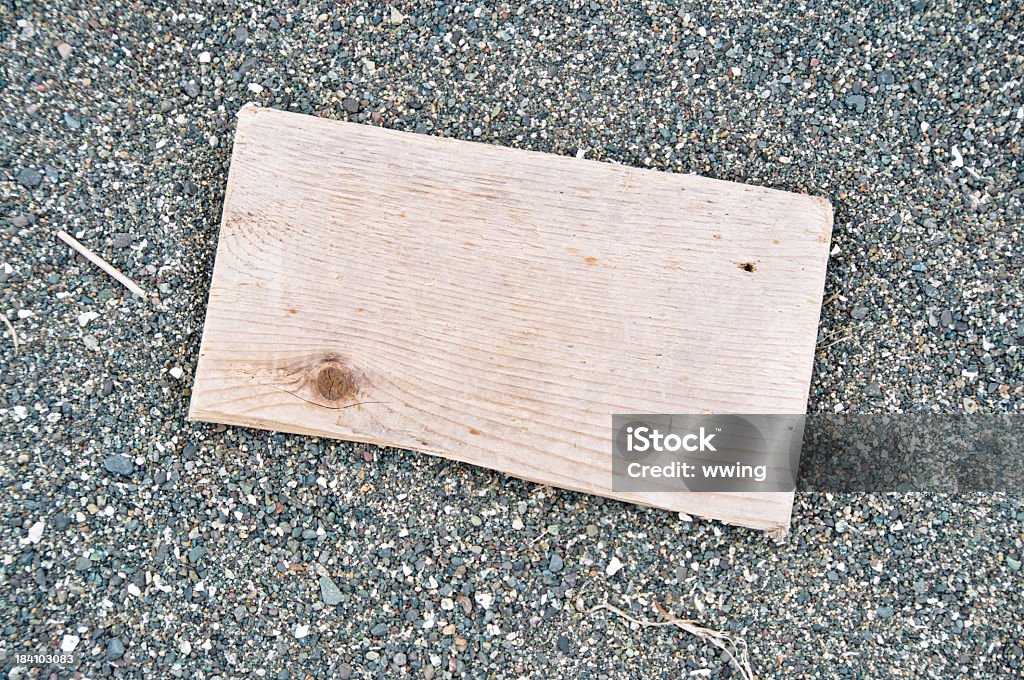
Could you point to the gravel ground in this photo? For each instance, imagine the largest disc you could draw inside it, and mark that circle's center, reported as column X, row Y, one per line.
column 170, row 548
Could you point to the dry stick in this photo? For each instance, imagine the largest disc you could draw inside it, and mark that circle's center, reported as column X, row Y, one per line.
column 14, row 334
column 834, row 342
column 734, row 647
column 102, row 264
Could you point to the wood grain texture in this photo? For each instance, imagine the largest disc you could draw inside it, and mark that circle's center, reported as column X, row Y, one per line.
column 497, row 306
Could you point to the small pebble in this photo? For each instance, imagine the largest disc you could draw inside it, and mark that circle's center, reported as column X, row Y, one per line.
column 563, row 644
column 115, row 649
column 857, row 102
column 30, row 177
column 329, row 591
column 119, row 464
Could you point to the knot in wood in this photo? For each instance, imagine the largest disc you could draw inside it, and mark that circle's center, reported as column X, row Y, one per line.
column 334, row 381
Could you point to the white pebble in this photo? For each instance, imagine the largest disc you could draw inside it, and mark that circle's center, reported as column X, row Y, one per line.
column 85, row 317
column 176, row 372
column 185, row 647
column 958, row 159
column 255, row 88
column 27, row 29
column 134, row 590
column 204, row 57
column 69, row 643
column 485, row 600
column 64, row 50
column 213, row 140
column 25, row 313
column 35, row 533
column 301, row 632
column 613, row 566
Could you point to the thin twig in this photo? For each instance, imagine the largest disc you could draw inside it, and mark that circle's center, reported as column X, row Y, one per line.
column 734, row 647
column 836, row 342
column 14, row 333
column 102, row 264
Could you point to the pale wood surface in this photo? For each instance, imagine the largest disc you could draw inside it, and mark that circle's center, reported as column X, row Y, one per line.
column 497, row 306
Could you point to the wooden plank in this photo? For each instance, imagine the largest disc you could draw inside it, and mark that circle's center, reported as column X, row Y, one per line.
column 497, row 306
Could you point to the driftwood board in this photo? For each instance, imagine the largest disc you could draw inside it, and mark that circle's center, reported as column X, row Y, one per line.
column 497, row 306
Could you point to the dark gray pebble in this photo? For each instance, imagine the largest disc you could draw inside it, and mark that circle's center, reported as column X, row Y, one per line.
column 115, row 649
column 330, row 593
column 196, row 554
column 30, row 177
column 857, row 102
column 61, row 521
column 119, row 464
